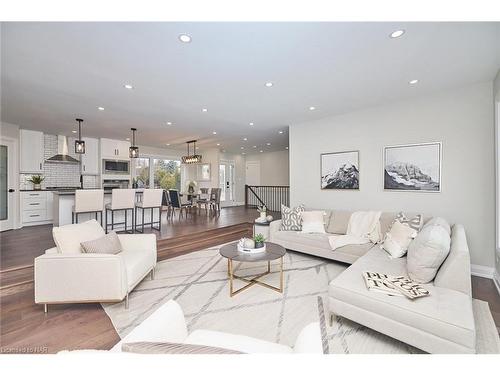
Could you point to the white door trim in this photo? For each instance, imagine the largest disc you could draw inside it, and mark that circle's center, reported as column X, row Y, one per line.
column 13, row 144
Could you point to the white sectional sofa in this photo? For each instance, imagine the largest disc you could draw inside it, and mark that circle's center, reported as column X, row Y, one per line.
column 440, row 323
column 66, row 275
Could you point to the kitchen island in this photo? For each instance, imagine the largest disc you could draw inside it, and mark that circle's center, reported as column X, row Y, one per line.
column 64, row 201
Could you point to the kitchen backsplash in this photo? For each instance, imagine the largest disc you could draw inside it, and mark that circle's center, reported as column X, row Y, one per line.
column 60, row 175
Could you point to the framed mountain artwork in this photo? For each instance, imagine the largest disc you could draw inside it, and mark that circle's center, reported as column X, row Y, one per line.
column 415, row 167
column 340, row 170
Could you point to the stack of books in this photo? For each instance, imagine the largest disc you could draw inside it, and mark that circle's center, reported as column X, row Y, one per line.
column 394, row 285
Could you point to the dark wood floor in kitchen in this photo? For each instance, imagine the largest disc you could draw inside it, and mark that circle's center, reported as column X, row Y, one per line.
column 23, row 325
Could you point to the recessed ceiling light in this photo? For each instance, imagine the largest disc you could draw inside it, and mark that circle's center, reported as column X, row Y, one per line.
column 73, row 131
column 286, row 148
column 128, row 86
column 251, row 124
column 204, row 110
column 312, row 108
column 168, row 144
column 254, row 146
column 268, row 144
column 281, row 132
column 169, row 123
column 269, row 84
column 184, row 38
column 218, row 144
column 397, row 33
column 261, row 151
column 127, row 139
column 242, row 147
column 413, row 81
column 245, row 139
column 214, row 133
column 100, row 108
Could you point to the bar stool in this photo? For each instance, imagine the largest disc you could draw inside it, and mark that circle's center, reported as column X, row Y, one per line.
column 121, row 200
column 151, row 199
column 87, row 202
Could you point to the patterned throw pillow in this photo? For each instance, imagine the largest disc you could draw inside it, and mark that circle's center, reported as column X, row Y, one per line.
column 291, row 218
column 109, row 244
column 416, row 222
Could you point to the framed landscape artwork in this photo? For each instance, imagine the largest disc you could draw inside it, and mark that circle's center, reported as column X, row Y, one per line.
column 415, row 167
column 340, row 170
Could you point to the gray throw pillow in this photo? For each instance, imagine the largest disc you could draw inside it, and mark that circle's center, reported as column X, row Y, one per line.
column 109, row 244
column 427, row 252
column 173, row 348
column 291, row 218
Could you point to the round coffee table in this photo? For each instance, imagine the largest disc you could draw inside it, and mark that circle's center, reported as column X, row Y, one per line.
column 273, row 252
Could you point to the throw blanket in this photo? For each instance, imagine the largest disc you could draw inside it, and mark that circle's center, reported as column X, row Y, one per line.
column 363, row 227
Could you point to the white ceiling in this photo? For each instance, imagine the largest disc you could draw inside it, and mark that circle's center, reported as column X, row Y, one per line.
column 54, row 72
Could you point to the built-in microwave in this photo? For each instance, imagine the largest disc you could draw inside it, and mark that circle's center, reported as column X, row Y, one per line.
column 110, row 166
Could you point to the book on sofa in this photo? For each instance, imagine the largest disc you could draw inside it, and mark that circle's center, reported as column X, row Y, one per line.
column 394, row 285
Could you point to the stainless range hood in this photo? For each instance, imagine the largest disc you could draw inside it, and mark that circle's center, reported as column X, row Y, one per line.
column 62, row 156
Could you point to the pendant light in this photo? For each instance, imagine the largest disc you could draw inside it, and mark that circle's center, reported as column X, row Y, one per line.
column 133, row 151
column 79, row 144
column 191, row 159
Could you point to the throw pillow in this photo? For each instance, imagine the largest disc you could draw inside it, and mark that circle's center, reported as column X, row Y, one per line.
column 291, row 218
column 441, row 222
column 427, row 252
column 339, row 220
column 313, row 222
column 398, row 239
column 109, row 244
column 69, row 237
column 416, row 222
column 173, row 348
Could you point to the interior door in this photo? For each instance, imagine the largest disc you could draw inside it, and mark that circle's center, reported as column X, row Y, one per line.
column 226, row 183
column 7, row 189
column 252, row 176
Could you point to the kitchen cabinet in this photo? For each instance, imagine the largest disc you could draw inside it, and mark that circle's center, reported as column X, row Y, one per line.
column 36, row 207
column 89, row 162
column 32, row 151
column 114, row 149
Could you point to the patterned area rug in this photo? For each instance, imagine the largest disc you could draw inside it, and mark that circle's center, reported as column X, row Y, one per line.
column 199, row 283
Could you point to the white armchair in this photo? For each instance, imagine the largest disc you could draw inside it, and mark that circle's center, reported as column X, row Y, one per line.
column 66, row 275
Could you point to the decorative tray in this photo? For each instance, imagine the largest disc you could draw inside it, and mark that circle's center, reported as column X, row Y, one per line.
column 257, row 250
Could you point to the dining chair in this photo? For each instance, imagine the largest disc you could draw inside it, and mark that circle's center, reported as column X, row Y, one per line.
column 203, row 199
column 166, row 204
column 177, row 204
column 215, row 199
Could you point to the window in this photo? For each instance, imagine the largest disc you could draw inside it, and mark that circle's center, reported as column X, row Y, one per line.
column 141, row 172
column 167, row 174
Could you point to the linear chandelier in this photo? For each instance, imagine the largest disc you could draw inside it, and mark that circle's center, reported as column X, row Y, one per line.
column 191, row 159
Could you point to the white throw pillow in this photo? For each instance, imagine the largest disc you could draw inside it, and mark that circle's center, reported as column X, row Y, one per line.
column 441, row 222
column 69, row 237
column 398, row 239
column 313, row 222
column 427, row 252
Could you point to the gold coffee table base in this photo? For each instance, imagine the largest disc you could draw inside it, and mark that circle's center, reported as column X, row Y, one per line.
column 254, row 280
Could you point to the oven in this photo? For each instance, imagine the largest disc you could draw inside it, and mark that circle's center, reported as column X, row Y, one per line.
column 110, row 166
column 115, row 184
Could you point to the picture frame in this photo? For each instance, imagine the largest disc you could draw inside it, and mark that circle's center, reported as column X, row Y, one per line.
column 339, row 170
column 203, row 172
column 415, row 167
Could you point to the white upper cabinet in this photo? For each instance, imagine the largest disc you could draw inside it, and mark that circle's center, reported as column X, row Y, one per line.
column 114, row 149
column 32, row 151
column 89, row 162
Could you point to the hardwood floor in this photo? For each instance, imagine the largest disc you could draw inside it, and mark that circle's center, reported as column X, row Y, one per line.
column 24, row 326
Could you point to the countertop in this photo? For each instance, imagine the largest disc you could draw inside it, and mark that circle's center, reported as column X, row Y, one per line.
column 71, row 191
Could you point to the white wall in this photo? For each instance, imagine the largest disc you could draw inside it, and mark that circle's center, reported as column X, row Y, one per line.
column 462, row 119
column 496, row 93
column 274, row 167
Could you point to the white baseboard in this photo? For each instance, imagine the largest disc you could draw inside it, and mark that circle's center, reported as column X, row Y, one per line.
column 482, row 271
column 496, row 281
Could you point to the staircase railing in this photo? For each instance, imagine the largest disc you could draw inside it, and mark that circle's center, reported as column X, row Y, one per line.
column 270, row 196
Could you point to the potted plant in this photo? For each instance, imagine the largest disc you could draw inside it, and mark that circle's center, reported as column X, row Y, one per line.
column 135, row 183
column 259, row 240
column 36, row 180
column 191, row 185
